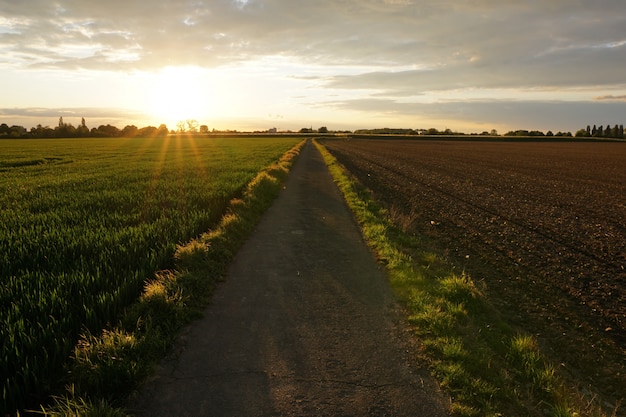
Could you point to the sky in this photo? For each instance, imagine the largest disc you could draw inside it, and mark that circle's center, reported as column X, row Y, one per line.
column 465, row 65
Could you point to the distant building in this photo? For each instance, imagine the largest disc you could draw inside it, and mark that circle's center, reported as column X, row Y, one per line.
column 272, row 130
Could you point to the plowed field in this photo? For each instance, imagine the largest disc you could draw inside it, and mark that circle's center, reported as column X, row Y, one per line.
column 541, row 224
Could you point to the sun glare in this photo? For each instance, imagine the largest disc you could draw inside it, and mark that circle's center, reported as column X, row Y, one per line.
column 179, row 93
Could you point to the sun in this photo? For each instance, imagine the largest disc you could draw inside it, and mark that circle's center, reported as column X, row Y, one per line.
column 179, row 93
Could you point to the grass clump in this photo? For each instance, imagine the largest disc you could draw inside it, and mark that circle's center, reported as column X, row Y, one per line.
column 70, row 407
column 107, row 366
column 484, row 364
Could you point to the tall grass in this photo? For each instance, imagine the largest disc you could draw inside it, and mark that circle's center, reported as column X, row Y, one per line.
column 83, row 228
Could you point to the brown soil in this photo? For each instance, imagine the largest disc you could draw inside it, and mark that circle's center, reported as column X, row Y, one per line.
column 305, row 324
column 542, row 224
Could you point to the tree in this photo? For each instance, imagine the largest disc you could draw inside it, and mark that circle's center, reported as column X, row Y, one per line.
column 146, row 132
column 204, row 129
column 65, row 130
column 323, row 129
column 16, row 131
column 192, row 125
column 162, row 130
column 129, row 131
column 82, row 130
column 107, row 131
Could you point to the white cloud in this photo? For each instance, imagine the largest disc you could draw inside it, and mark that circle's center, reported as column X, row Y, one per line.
column 395, row 32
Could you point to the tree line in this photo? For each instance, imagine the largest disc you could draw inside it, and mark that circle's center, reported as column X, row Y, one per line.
column 602, row 132
column 67, row 130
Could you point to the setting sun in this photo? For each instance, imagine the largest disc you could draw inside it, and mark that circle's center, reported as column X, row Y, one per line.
column 179, row 93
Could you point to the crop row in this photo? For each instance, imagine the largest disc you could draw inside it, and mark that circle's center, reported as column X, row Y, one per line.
column 82, row 231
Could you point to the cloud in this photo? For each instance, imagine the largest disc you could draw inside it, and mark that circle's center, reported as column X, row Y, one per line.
column 147, row 34
column 382, row 52
column 611, row 98
column 543, row 115
column 31, row 116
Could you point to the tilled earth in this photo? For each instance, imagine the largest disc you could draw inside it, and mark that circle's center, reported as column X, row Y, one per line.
column 542, row 224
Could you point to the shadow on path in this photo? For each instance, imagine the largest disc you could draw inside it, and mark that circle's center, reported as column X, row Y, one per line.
column 305, row 324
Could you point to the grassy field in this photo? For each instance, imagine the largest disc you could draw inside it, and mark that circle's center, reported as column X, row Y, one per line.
column 84, row 224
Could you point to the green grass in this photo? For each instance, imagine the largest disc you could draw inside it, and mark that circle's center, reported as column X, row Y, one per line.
column 487, row 367
column 83, row 225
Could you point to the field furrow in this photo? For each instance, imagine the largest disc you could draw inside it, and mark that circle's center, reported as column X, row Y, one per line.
column 541, row 224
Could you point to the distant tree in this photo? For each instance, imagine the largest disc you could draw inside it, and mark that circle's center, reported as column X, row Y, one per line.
column 493, row 132
column 549, row 133
column 615, row 131
column 594, row 131
column 621, row 131
column 323, row 129
column 107, row 131
column 204, row 129
column 162, row 130
column 4, row 129
column 65, row 130
column 588, row 131
column 16, row 131
column 582, row 133
column 192, row 125
column 146, row 132
column 129, row 131
column 180, row 126
column 82, row 130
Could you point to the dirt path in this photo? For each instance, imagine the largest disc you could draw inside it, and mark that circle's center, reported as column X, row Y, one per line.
column 305, row 324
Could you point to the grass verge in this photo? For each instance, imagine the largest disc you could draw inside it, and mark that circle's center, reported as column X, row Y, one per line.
column 488, row 367
column 106, row 367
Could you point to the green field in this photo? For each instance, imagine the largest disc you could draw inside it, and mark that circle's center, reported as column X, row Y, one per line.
column 85, row 222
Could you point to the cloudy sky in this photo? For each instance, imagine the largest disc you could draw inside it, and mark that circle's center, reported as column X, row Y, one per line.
column 467, row 65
